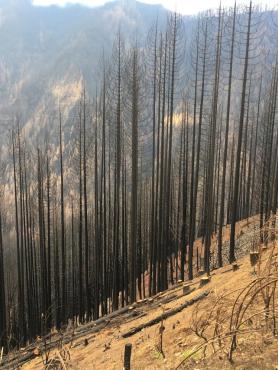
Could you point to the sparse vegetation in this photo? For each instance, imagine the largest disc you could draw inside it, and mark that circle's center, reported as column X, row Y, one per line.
column 144, row 182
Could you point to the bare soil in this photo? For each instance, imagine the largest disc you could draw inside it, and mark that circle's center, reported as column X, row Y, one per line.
column 105, row 349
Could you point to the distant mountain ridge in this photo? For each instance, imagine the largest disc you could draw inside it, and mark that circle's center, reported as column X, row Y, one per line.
column 44, row 51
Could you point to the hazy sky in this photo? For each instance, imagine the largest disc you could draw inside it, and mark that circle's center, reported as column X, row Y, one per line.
column 183, row 6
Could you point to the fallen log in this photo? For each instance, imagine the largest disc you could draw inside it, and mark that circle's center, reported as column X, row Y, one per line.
column 92, row 327
column 168, row 299
column 165, row 315
column 103, row 319
column 115, row 317
column 22, row 358
column 15, row 363
column 118, row 321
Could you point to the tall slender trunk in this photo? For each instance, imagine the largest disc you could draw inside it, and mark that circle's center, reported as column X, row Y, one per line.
column 239, row 142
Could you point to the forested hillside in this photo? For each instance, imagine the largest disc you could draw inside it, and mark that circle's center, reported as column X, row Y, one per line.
column 46, row 51
column 168, row 137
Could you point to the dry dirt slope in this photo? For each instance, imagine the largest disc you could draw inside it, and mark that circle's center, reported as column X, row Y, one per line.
column 105, row 349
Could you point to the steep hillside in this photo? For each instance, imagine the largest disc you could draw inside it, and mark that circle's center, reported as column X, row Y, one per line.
column 127, row 191
column 45, row 51
column 100, row 345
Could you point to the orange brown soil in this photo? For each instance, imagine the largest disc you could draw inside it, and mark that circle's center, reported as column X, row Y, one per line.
column 105, row 350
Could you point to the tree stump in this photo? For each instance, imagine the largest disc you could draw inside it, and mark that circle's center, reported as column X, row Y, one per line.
column 204, row 280
column 235, row 266
column 186, row 289
column 127, row 356
column 254, row 257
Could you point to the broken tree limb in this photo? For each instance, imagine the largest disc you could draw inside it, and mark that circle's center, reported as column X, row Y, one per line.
column 165, row 315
